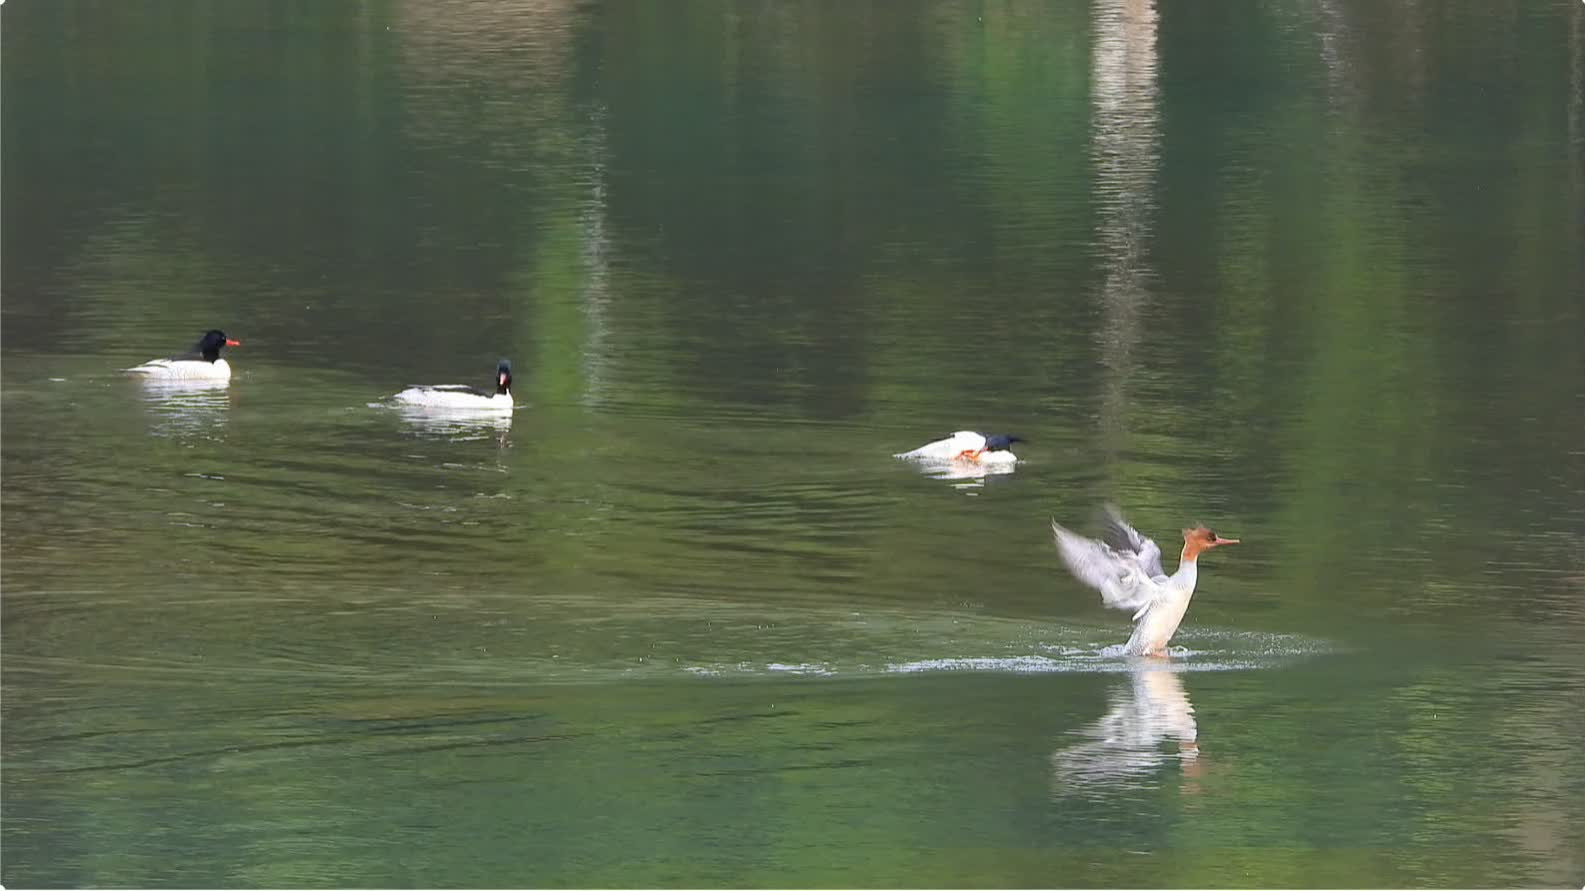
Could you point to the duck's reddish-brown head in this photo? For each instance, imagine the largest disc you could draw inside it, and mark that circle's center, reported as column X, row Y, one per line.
column 1200, row 539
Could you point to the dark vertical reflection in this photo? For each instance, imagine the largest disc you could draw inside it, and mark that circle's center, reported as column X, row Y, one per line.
column 769, row 177
column 1576, row 115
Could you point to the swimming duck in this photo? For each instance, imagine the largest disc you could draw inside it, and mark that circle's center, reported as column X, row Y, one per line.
column 202, row 362
column 460, row 397
column 967, row 445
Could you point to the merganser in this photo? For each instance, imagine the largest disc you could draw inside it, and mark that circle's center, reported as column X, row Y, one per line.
column 1126, row 569
column 966, row 445
column 203, row 362
column 459, row 397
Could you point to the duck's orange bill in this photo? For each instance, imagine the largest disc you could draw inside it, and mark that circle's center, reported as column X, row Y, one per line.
column 230, row 342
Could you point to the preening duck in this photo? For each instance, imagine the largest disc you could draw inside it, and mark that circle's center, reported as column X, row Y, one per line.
column 1126, row 569
column 202, row 362
column 967, row 445
column 459, row 397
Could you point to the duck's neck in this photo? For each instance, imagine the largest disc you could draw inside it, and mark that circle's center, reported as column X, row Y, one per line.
column 1188, row 569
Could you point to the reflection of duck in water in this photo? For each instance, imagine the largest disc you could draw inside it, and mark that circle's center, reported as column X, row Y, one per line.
column 968, row 475
column 457, row 426
column 1126, row 569
column 186, row 406
column 1127, row 743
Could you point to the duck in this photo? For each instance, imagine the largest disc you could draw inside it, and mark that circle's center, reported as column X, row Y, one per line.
column 967, row 445
column 1126, row 569
column 460, row 397
column 202, row 362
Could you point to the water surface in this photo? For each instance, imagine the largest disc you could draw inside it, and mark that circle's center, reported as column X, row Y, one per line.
column 1306, row 271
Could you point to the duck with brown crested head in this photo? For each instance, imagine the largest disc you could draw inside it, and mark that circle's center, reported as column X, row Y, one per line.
column 1126, row 569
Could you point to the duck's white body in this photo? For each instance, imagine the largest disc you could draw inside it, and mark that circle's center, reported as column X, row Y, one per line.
column 464, row 399
column 1127, row 571
column 455, row 397
column 1160, row 618
column 184, row 369
column 964, row 445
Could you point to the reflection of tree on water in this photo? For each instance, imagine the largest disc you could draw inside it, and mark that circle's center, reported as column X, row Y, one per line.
column 1128, row 744
column 1576, row 107
column 595, row 299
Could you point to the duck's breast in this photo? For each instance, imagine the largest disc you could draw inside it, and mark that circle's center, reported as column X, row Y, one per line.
column 1156, row 627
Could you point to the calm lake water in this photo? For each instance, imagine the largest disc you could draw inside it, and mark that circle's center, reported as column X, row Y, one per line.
column 1308, row 271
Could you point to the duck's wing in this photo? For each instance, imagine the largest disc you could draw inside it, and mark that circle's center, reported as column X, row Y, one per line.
column 452, row 388
column 1118, row 575
column 1126, row 539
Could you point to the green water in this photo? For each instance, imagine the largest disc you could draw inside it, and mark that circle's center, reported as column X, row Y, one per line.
column 1308, row 271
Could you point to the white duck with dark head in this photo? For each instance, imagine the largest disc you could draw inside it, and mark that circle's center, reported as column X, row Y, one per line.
column 967, row 446
column 1126, row 569
column 460, row 397
column 201, row 363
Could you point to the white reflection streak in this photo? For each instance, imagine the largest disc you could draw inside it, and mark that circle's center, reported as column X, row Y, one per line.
column 1576, row 107
column 596, row 249
column 1127, row 743
column 1332, row 28
column 1125, row 144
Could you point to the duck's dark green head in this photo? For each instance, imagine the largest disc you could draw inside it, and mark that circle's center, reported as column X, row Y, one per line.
column 209, row 345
